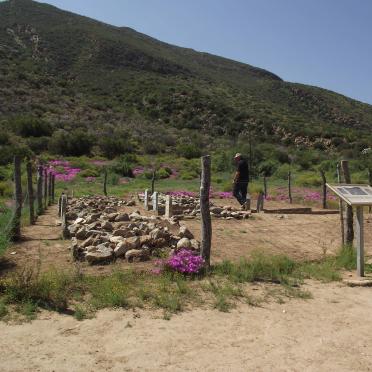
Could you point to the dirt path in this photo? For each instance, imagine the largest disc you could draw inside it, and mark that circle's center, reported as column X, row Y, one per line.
column 328, row 333
column 298, row 236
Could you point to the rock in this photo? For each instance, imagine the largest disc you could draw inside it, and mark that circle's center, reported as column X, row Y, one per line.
column 79, row 221
column 184, row 243
column 125, row 233
column 145, row 239
column 101, row 255
column 185, row 232
column 112, row 217
column 107, row 226
column 81, row 234
column 131, row 203
column 76, row 250
column 195, row 245
column 88, row 242
column 109, row 210
column 136, row 254
column 73, row 229
column 216, row 210
column 135, row 216
column 122, row 217
column 92, row 218
column 116, row 239
column 71, row 215
column 126, row 245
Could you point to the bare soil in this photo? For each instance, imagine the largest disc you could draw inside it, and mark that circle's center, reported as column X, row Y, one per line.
column 329, row 332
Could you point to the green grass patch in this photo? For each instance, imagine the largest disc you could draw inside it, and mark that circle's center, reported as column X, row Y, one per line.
column 222, row 287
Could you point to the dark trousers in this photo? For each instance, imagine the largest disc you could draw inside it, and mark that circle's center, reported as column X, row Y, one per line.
column 240, row 191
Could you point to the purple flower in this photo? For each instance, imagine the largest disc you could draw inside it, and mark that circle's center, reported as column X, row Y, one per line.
column 185, row 261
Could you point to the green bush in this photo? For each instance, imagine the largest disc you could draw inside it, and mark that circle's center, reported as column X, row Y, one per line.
column 282, row 172
column 308, row 180
column 6, row 189
column 122, row 167
column 189, row 151
column 188, row 175
column 89, row 173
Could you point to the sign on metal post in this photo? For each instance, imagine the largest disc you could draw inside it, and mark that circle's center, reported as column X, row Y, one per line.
column 358, row 196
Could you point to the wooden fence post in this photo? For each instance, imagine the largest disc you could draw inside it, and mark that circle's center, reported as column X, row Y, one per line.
column 370, row 184
column 206, row 223
column 60, row 206
column 349, row 209
column 45, row 191
column 105, row 183
column 50, row 189
column 265, row 186
column 65, row 232
column 260, row 202
column 40, row 190
column 324, row 189
column 30, row 190
column 15, row 231
column 53, row 187
column 290, row 187
column 341, row 208
column 168, row 206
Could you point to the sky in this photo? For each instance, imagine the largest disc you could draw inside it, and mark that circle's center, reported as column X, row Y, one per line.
column 327, row 43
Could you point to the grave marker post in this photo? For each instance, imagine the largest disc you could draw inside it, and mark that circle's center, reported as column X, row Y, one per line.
column 155, row 202
column 168, row 206
column 146, row 200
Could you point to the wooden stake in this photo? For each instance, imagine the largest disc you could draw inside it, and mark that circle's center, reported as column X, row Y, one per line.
column 30, row 190
column 105, row 183
column 341, row 208
column 349, row 237
column 206, row 223
column 15, row 231
column 40, row 190
column 50, row 189
column 65, row 232
column 370, row 184
column 53, row 187
column 265, row 186
column 260, row 202
column 290, row 187
column 45, row 191
column 324, row 189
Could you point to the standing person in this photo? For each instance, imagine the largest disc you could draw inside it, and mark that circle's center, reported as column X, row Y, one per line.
column 241, row 180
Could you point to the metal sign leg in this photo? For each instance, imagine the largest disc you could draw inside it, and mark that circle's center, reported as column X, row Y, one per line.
column 360, row 241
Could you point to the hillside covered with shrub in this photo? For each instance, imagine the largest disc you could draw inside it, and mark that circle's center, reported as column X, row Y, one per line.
column 73, row 86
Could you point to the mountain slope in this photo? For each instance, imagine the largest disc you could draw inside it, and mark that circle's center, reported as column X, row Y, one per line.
column 73, row 71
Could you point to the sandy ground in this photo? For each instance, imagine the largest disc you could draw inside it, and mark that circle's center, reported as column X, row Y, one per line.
column 331, row 332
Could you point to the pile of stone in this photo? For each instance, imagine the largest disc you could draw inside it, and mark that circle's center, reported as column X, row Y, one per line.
column 102, row 232
column 188, row 207
column 229, row 213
